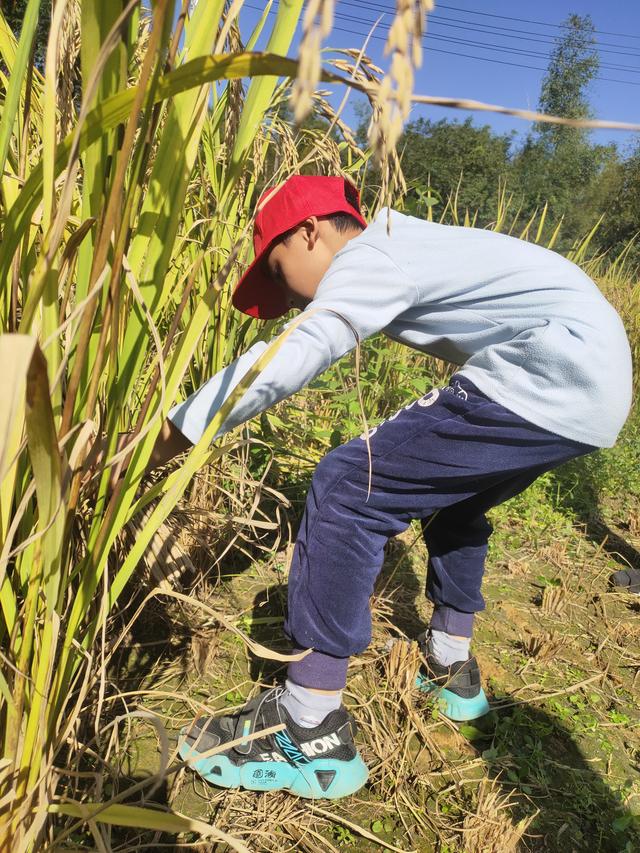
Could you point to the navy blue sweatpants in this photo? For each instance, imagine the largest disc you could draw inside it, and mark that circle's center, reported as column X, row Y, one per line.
column 453, row 452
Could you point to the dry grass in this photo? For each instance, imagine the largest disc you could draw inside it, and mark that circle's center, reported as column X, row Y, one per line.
column 490, row 829
column 431, row 787
column 543, row 645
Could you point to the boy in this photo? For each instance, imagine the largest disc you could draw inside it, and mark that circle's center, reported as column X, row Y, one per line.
column 545, row 377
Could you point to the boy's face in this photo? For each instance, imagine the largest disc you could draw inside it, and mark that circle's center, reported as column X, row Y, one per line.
column 298, row 263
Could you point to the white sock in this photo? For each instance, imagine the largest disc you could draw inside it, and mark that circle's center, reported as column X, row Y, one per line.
column 308, row 709
column 447, row 649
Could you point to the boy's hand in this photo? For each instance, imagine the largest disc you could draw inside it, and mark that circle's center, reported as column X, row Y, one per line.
column 170, row 443
column 95, row 459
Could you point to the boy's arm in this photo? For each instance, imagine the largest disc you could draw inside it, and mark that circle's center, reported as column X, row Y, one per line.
column 193, row 415
column 362, row 292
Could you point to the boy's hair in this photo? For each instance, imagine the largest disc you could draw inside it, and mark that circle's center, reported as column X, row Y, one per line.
column 342, row 222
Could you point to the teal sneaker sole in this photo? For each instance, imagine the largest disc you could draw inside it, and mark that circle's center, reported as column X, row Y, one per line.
column 322, row 778
column 455, row 707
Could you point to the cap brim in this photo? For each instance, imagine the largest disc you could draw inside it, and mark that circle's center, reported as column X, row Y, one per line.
column 257, row 295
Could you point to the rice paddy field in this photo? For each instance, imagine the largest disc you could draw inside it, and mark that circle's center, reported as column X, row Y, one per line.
column 129, row 605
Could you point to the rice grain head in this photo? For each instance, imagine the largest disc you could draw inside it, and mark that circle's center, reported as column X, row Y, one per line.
column 235, row 101
column 392, row 102
column 67, row 56
column 316, row 25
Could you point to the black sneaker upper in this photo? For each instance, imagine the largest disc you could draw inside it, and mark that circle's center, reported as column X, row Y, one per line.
column 626, row 579
column 333, row 738
column 461, row 677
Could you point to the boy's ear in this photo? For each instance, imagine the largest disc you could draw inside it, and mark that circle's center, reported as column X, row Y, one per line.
column 311, row 230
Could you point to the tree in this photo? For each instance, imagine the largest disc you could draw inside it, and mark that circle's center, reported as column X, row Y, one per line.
column 559, row 164
column 573, row 64
column 620, row 198
column 451, row 154
column 14, row 11
column 446, row 155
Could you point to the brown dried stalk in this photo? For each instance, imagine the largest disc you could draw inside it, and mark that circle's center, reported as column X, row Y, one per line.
column 542, row 645
column 554, row 601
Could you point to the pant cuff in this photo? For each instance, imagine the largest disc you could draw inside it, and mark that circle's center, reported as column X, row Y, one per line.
column 318, row 670
column 452, row 621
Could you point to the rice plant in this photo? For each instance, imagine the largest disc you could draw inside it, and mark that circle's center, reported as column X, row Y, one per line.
column 122, row 227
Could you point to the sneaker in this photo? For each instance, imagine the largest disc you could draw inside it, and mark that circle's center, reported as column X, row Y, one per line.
column 456, row 688
column 627, row 580
column 320, row 762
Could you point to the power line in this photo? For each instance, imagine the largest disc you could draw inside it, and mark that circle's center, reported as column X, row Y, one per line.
column 483, row 58
column 462, row 23
column 429, row 47
column 521, row 35
column 486, row 45
column 528, row 21
column 530, row 53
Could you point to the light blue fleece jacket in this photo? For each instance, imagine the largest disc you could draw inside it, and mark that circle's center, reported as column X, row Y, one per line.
column 529, row 328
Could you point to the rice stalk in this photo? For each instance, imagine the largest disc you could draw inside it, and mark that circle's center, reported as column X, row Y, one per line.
column 554, row 601
column 54, row 596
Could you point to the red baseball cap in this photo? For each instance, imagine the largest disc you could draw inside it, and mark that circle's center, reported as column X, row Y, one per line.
column 280, row 209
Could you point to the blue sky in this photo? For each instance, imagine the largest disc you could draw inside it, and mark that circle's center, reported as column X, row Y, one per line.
column 496, row 45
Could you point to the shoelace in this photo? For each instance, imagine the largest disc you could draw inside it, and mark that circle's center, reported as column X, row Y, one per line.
column 276, row 693
column 247, row 721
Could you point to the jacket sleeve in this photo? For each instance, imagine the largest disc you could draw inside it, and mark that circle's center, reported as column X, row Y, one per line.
column 361, row 293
